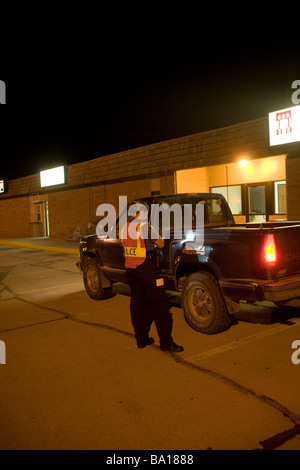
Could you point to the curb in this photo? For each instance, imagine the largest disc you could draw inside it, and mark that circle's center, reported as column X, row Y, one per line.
column 39, row 247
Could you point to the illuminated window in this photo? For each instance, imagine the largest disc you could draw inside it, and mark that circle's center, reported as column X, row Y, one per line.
column 280, row 197
column 233, row 195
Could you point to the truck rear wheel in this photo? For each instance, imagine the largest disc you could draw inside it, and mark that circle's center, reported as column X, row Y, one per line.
column 203, row 304
column 93, row 281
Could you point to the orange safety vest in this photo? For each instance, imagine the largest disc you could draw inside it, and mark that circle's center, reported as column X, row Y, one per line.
column 134, row 250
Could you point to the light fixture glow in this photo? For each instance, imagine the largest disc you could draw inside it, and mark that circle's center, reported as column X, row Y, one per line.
column 52, row 177
column 243, row 163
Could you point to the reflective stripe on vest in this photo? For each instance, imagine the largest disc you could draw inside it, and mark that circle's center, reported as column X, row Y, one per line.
column 134, row 250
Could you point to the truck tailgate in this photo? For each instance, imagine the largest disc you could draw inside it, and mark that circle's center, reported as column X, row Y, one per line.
column 287, row 240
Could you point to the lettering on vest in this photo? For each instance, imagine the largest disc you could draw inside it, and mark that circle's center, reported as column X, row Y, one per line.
column 130, row 251
column 134, row 248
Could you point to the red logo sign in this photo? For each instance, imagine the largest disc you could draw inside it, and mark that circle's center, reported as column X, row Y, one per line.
column 284, row 122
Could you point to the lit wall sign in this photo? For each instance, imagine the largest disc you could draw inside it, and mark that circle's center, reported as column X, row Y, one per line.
column 2, row 186
column 52, row 177
column 284, row 126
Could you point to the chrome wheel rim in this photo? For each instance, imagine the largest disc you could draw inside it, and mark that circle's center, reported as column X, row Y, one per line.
column 201, row 304
column 92, row 280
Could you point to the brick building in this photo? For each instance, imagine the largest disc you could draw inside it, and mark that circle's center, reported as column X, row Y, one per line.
column 260, row 182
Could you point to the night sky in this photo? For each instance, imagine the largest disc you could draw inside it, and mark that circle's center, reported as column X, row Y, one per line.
column 91, row 92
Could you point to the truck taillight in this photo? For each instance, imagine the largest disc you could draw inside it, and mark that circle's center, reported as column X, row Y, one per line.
column 269, row 255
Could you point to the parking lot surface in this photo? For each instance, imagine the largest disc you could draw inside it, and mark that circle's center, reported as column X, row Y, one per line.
column 73, row 377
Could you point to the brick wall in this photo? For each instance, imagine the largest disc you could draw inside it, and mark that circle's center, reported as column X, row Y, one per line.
column 293, row 187
column 67, row 210
column 15, row 218
column 77, row 207
column 136, row 173
column 214, row 147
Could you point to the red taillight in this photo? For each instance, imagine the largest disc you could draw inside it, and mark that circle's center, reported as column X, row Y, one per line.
column 269, row 255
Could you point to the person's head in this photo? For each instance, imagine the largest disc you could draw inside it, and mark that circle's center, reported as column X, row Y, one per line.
column 139, row 210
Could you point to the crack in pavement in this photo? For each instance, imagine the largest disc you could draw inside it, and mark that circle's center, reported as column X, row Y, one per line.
column 276, row 441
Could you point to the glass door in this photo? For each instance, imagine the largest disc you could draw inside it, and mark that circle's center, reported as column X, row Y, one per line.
column 257, row 203
column 46, row 218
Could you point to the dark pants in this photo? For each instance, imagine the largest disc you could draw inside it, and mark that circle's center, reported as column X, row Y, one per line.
column 148, row 303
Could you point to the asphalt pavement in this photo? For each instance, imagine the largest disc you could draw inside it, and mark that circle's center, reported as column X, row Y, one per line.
column 74, row 379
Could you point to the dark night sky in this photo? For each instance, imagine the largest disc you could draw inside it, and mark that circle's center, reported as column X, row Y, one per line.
column 89, row 94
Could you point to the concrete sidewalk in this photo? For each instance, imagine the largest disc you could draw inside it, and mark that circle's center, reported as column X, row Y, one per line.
column 43, row 243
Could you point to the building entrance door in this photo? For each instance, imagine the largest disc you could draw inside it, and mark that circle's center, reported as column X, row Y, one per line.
column 257, row 211
column 46, row 219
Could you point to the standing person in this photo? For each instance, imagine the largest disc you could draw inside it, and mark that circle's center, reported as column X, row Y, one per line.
column 148, row 297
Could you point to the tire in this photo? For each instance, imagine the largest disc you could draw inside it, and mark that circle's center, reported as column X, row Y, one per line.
column 92, row 278
column 203, row 304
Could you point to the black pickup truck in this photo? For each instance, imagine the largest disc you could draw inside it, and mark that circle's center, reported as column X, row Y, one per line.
column 250, row 262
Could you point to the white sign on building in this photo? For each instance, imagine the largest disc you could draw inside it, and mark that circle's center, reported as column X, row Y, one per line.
column 284, row 126
column 52, row 177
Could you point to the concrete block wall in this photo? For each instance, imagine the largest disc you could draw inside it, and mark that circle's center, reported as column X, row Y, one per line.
column 136, row 173
column 67, row 210
column 293, row 187
column 78, row 207
column 15, row 218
